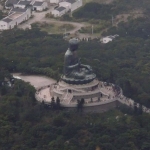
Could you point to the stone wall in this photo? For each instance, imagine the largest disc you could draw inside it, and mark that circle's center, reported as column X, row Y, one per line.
column 96, row 108
column 87, row 96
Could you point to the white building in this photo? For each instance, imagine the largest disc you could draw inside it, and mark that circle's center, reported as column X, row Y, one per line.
column 106, row 40
column 66, row 5
column 71, row 4
column 58, row 12
column 75, row 4
column 23, row 4
column 54, row 1
column 40, row 6
column 15, row 18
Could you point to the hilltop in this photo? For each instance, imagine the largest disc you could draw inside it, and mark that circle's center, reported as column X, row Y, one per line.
column 26, row 124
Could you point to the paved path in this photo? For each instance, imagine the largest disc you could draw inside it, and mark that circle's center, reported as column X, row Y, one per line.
column 40, row 17
column 76, row 25
column 124, row 100
column 45, row 94
column 36, row 81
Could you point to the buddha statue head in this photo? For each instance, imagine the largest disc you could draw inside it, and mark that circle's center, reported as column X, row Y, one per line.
column 73, row 44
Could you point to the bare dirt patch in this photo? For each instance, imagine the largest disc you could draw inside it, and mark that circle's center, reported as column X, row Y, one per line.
column 55, row 28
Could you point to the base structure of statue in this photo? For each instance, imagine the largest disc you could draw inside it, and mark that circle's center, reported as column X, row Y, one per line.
column 69, row 93
column 98, row 96
column 94, row 93
column 78, row 82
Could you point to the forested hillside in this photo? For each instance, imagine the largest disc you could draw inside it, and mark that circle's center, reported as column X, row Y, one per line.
column 32, row 51
column 95, row 10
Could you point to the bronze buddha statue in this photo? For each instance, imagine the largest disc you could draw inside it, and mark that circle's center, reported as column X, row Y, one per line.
column 73, row 69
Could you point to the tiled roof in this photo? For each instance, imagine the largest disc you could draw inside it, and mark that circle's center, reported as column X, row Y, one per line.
column 18, row 10
column 24, row 2
column 71, row 1
column 60, row 8
column 8, row 2
column 7, row 20
column 38, row 3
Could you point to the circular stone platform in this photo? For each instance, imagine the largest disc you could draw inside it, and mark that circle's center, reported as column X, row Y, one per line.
column 95, row 93
column 72, row 92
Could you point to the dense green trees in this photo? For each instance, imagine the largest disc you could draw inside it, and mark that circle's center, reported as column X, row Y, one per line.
column 138, row 28
column 38, row 46
column 99, row 11
column 26, row 124
column 94, row 11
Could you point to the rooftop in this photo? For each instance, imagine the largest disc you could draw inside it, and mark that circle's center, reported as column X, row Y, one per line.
column 24, row 2
column 14, row 15
column 18, row 10
column 60, row 8
column 7, row 20
column 37, row 3
column 71, row 1
column 11, row 2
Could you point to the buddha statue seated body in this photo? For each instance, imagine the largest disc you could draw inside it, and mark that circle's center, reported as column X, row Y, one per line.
column 72, row 64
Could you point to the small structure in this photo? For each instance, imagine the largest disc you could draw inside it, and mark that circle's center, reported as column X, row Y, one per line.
column 39, row 6
column 15, row 17
column 23, row 4
column 69, row 5
column 108, row 38
column 65, row 5
column 58, row 12
column 75, row 4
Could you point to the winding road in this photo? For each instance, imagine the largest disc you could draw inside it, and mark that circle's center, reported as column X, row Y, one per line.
column 40, row 17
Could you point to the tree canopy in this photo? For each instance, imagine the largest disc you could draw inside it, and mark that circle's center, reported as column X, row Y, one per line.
column 95, row 10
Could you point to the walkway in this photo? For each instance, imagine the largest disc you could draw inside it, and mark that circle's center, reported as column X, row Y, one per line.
column 40, row 17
